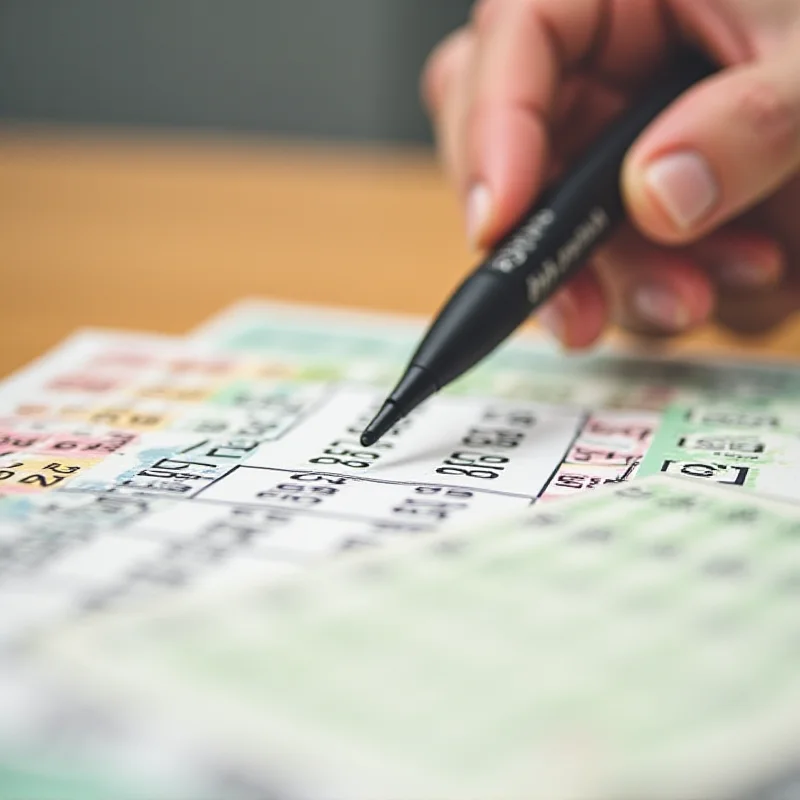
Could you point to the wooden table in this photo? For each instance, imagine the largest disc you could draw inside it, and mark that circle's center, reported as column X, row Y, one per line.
column 157, row 234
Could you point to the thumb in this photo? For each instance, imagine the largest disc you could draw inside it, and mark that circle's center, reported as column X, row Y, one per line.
column 720, row 149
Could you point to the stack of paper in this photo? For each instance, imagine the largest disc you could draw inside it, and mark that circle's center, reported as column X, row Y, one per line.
column 636, row 642
column 136, row 470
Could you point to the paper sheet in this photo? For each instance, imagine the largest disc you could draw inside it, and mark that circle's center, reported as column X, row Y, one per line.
column 638, row 641
column 163, row 462
column 133, row 465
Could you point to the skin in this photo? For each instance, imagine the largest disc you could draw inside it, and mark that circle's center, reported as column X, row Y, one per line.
column 522, row 89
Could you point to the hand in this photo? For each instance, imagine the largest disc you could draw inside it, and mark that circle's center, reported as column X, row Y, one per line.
column 712, row 187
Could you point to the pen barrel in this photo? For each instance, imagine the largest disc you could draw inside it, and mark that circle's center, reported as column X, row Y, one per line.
column 549, row 245
column 569, row 221
column 484, row 311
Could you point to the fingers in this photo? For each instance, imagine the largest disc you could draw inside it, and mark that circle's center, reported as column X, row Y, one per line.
column 520, row 56
column 497, row 90
column 577, row 315
column 501, row 91
column 654, row 290
column 721, row 149
column 741, row 261
column 441, row 66
column 493, row 98
column 446, row 93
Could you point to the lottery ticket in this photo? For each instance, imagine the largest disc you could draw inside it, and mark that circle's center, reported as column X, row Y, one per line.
column 132, row 465
column 638, row 641
column 731, row 445
column 528, row 367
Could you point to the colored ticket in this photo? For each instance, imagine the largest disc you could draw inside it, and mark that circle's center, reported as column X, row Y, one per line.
column 132, row 464
column 637, row 641
column 757, row 449
column 161, row 465
column 375, row 349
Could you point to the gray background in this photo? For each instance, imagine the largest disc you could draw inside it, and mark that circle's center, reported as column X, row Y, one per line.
column 333, row 69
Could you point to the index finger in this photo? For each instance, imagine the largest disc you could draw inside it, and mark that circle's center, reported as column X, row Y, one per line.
column 524, row 49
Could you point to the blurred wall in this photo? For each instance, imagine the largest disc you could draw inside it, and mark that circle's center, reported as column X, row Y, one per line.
column 341, row 69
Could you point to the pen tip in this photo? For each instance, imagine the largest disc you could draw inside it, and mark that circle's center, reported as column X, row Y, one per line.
column 383, row 421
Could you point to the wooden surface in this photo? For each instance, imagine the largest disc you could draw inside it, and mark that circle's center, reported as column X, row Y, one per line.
column 158, row 234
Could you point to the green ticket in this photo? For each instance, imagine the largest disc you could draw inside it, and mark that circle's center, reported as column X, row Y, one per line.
column 754, row 448
column 637, row 641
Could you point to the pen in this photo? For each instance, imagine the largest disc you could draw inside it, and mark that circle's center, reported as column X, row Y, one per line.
column 546, row 249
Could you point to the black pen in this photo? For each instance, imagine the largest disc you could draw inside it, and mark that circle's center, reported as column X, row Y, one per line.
column 531, row 263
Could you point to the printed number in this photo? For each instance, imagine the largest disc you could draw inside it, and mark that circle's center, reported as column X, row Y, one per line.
column 440, row 490
column 428, row 508
column 338, row 453
column 110, row 446
column 45, row 481
column 473, row 465
column 517, row 418
column 468, row 473
column 723, row 444
column 576, row 481
column 313, row 477
column 737, row 476
column 18, row 443
column 302, row 495
column 466, row 459
column 481, row 437
column 169, row 469
column 60, row 469
column 345, row 463
column 735, row 419
column 5, row 474
column 365, row 455
column 41, row 480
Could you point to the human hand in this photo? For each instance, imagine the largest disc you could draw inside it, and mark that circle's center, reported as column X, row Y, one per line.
column 712, row 187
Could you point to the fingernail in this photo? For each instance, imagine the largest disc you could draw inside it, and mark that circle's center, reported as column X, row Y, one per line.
column 685, row 186
column 742, row 275
column 659, row 306
column 479, row 203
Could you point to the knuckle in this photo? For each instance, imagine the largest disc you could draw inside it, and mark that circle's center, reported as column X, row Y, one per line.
column 771, row 116
column 438, row 66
